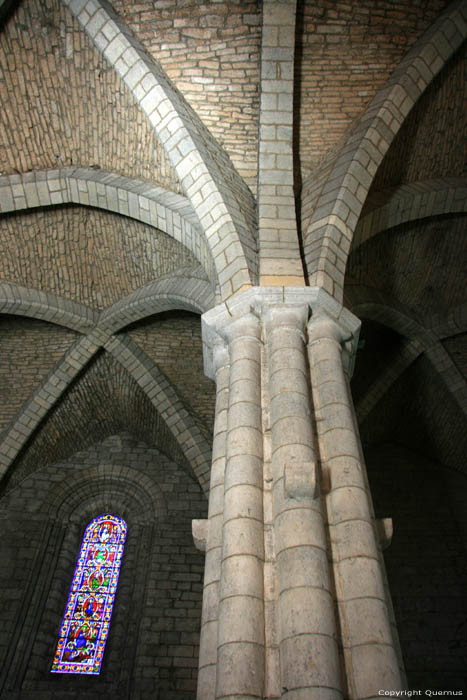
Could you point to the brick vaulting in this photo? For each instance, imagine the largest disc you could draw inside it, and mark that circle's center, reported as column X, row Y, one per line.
column 233, row 313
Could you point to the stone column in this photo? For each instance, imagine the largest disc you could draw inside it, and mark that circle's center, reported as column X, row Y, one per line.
column 309, row 657
column 369, row 649
column 208, row 640
column 240, row 653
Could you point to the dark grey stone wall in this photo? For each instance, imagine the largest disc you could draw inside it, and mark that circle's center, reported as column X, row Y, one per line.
column 152, row 649
column 426, row 562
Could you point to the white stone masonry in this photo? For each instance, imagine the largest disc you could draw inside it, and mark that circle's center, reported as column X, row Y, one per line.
column 279, row 254
column 295, row 602
column 370, row 654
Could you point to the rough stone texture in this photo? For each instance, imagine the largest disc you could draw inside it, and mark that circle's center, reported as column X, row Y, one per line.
column 421, row 415
column 346, row 52
column 28, row 349
column 425, row 563
column 410, row 383
column 220, row 197
column 431, row 141
column 101, row 402
column 419, row 264
column 457, row 349
column 174, row 343
column 211, row 52
column 86, row 255
column 78, row 112
column 160, row 582
column 142, row 201
column 333, row 198
column 419, row 200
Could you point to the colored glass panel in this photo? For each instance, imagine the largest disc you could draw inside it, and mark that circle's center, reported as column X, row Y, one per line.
column 85, row 625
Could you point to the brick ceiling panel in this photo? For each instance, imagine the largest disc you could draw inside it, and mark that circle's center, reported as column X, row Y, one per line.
column 66, row 105
column 431, row 142
column 104, row 401
column 346, row 52
column 421, row 264
column 28, row 349
column 86, row 255
column 211, row 51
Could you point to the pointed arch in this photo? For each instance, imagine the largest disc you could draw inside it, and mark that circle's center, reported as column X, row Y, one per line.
column 174, row 292
column 333, row 198
column 193, row 443
column 222, row 201
column 46, row 306
column 422, row 339
column 418, row 200
column 43, row 399
column 159, row 296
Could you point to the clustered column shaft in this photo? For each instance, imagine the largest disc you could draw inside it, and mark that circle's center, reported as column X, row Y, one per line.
column 240, row 655
column 370, row 656
column 208, row 640
column 327, row 615
column 309, row 658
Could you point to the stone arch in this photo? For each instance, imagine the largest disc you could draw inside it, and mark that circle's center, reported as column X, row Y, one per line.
column 418, row 200
column 66, row 514
column 333, row 199
column 446, row 325
column 168, row 211
column 43, row 399
column 175, row 292
column 46, row 306
column 421, row 340
column 220, row 198
column 193, row 443
column 375, row 305
column 100, row 488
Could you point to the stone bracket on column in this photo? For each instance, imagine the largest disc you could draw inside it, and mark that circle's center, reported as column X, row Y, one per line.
column 300, row 480
column 200, row 531
column 385, row 530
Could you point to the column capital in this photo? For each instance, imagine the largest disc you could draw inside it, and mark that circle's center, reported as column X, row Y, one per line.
column 256, row 300
column 293, row 316
column 245, row 326
column 220, row 355
column 322, row 326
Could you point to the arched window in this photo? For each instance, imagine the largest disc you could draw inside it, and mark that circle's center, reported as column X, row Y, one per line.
column 85, row 625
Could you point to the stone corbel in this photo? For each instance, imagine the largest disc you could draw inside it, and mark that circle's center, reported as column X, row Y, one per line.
column 200, row 531
column 385, row 530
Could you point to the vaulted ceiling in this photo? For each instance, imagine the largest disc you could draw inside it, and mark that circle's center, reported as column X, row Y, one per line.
column 100, row 307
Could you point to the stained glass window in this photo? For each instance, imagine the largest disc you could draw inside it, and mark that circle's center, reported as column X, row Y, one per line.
column 85, row 625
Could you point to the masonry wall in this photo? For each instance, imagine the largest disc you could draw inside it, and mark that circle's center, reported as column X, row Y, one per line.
column 210, row 50
column 430, row 143
column 426, row 562
column 420, row 415
column 153, row 642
